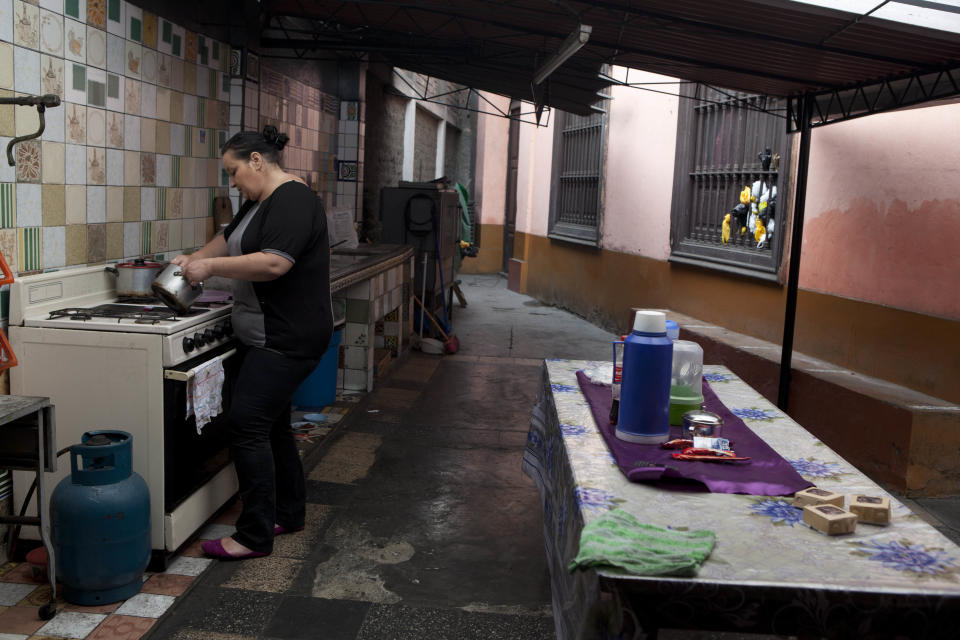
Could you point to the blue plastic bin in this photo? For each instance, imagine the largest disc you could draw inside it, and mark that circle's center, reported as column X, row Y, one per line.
column 320, row 387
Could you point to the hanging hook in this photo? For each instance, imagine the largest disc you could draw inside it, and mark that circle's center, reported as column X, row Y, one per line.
column 41, row 103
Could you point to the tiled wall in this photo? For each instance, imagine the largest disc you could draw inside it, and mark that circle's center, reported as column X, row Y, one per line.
column 128, row 164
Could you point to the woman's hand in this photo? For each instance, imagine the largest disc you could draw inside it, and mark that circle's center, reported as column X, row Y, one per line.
column 197, row 270
column 182, row 260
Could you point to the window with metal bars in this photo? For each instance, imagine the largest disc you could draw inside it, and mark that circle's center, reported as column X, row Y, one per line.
column 576, row 197
column 732, row 152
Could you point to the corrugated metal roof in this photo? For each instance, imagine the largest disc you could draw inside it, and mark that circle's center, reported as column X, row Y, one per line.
column 775, row 47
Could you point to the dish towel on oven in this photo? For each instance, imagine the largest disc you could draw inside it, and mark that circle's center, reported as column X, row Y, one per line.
column 616, row 540
column 205, row 392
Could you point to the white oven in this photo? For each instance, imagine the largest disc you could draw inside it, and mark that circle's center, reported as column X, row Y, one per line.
column 109, row 364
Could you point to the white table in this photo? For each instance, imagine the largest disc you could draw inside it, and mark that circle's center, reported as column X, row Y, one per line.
column 769, row 572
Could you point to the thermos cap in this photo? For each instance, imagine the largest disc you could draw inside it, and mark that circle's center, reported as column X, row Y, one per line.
column 650, row 322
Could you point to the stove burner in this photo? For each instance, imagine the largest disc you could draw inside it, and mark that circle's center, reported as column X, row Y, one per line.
column 140, row 315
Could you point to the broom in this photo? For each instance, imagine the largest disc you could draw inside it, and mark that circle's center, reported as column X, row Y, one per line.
column 451, row 344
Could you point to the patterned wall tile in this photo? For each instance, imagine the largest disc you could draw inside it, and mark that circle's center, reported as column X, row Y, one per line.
column 175, row 235
column 148, row 66
column 115, row 167
column 146, row 238
column 96, row 204
column 174, row 203
column 163, row 104
column 131, row 204
column 134, row 22
column 148, row 203
column 116, row 17
column 164, row 70
column 115, row 95
column 76, row 208
column 150, row 29
column 26, row 24
column 53, row 197
column 8, row 246
column 8, row 205
column 96, row 165
column 161, row 231
column 76, row 9
column 76, row 123
column 148, row 100
column 53, row 161
column 96, row 87
column 115, row 126
column 74, row 40
column 176, row 171
column 190, row 46
column 51, row 33
column 54, row 247
column 176, row 73
column 132, row 59
column 202, row 82
column 51, row 70
column 96, row 48
column 131, row 132
column 131, row 96
column 75, row 77
column 29, row 205
column 97, row 13
column 76, row 243
column 189, row 78
column 114, row 241
column 96, row 243
column 29, row 249
column 148, row 169
column 114, row 204
column 28, row 155
column 96, row 127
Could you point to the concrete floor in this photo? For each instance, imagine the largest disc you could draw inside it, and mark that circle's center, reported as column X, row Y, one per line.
column 420, row 521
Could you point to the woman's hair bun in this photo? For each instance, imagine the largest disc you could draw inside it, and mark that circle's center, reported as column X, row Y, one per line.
column 274, row 137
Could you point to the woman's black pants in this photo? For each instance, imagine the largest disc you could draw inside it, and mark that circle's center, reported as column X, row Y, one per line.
column 262, row 445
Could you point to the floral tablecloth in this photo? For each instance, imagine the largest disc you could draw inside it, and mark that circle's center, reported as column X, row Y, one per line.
column 769, row 571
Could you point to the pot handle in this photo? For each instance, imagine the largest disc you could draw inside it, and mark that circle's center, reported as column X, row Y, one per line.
column 112, row 270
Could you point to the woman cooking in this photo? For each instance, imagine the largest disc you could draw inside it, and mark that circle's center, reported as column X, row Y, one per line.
column 276, row 250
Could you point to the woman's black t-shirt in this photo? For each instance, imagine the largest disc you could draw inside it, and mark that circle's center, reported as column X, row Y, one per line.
column 291, row 314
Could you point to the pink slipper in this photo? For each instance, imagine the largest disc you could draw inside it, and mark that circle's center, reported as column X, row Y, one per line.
column 215, row 549
column 279, row 530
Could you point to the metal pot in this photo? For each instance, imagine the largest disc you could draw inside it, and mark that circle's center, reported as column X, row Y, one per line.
column 171, row 287
column 134, row 278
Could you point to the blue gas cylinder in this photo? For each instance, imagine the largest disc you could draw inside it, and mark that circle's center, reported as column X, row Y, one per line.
column 100, row 521
column 645, row 385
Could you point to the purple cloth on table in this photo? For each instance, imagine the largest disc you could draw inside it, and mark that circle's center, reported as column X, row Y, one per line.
column 766, row 474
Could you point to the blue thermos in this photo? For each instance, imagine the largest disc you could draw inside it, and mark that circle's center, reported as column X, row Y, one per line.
column 645, row 386
column 100, row 521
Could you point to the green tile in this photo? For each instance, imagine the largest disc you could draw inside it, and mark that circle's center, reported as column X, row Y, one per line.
column 161, row 203
column 167, row 32
column 113, row 86
column 201, row 112
column 146, row 237
column 96, row 94
column 79, row 77
column 136, row 29
column 8, row 206
column 175, row 164
column 31, row 255
column 175, row 45
column 113, row 10
column 72, row 8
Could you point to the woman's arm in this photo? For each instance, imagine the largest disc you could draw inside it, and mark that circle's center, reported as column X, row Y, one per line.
column 256, row 267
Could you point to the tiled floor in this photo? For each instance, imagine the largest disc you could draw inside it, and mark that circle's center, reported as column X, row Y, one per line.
column 21, row 593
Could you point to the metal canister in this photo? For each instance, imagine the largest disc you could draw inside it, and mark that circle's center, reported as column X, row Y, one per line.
column 701, row 423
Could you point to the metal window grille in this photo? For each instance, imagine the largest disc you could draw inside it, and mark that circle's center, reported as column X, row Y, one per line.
column 579, row 148
column 721, row 136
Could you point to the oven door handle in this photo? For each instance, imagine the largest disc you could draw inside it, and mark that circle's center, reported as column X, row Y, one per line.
column 186, row 376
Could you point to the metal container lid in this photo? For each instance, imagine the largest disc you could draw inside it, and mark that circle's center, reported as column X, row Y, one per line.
column 701, row 417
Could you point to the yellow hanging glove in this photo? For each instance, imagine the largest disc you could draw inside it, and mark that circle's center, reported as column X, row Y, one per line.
column 725, row 234
column 745, row 196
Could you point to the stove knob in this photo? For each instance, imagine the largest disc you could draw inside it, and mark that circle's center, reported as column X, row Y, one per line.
column 188, row 345
column 228, row 328
column 208, row 335
column 219, row 331
column 199, row 340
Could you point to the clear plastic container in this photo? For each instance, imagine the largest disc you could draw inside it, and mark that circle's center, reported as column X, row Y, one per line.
column 686, row 389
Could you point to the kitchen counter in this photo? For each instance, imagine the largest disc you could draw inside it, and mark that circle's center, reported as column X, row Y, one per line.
column 349, row 266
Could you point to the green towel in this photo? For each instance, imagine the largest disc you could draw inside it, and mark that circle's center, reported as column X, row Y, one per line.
column 617, row 541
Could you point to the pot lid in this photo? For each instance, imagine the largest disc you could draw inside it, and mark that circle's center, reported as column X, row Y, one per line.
column 140, row 263
column 701, row 417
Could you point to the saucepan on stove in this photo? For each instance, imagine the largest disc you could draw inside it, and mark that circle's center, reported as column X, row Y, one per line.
column 175, row 291
column 134, row 278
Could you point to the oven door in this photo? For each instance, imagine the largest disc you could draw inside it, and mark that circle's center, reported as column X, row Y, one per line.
column 190, row 458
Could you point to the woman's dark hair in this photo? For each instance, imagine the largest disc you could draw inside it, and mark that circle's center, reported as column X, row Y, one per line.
column 268, row 144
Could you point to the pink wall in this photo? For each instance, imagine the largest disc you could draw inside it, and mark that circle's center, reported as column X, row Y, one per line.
column 640, row 154
column 533, row 179
column 883, row 211
column 491, row 172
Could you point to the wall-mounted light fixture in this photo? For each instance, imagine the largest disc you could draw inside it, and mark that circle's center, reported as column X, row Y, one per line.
column 570, row 46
